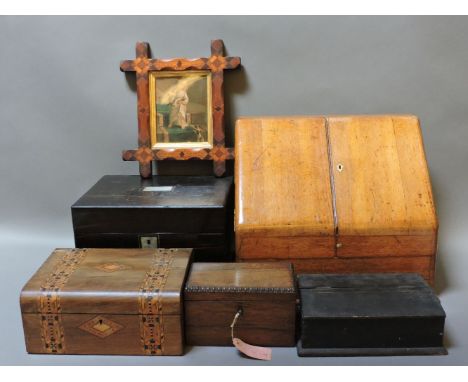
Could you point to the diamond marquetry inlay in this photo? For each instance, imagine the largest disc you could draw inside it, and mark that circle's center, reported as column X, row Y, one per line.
column 112, row 267
column 101, row 327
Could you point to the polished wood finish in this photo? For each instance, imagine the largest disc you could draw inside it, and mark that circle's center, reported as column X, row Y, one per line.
column 142, row 65
column 123, row 342
column 383, row 191
column 422, row 265
column 265, row 292
column 187, row 212
column 317, row 190
column 106, row 301
column 276, row 217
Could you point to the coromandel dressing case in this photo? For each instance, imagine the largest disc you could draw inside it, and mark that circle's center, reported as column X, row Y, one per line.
column 340, row 194
column 263, row 294
column 106, row 301
column 125, row 211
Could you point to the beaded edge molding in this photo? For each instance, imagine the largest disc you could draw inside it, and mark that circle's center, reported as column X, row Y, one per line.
column 218, row 289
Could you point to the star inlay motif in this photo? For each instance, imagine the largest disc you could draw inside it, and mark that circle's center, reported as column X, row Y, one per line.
column 144, row 155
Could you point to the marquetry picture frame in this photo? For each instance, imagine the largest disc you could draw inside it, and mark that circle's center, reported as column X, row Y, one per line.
column 147, row 73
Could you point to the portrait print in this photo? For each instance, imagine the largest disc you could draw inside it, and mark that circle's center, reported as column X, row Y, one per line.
column 181, row 109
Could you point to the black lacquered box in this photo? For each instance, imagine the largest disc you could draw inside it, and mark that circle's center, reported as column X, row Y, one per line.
column 126, row 211
column 369, row 314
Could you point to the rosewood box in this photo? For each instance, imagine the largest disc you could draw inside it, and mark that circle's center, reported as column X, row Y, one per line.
column 126, row 211
column 339, row 194
column 264, row 294
column 369, row 314
column 106, row 301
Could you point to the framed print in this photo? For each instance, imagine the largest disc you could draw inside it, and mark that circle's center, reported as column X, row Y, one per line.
column 180, row 109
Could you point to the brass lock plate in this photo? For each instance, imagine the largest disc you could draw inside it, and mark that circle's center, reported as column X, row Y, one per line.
column 149, row 242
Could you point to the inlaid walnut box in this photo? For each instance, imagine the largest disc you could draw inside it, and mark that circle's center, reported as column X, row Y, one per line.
column 126, row 211
column 369, row 314
column 339, row 194
column 106, row 301
column 263, row 293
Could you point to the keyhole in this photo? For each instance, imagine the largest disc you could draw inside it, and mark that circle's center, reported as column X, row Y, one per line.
column 100, row 322
column 339, row 167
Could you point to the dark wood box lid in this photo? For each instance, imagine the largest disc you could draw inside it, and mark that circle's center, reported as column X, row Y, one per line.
column 367, row 296
column 240, row 281
column 119, row 281
column 120, row 191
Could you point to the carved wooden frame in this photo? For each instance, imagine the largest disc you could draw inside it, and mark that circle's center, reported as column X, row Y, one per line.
column 142, row 65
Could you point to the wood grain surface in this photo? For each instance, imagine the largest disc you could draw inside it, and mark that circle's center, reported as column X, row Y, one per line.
column 283, row 188
column 383, row 191
column 125, row 341
column 312, row 188
column 265, row 293
column 106, row 301
column 389, row 264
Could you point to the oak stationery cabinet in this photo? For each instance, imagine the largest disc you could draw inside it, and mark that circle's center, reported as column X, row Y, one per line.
column 335, row 194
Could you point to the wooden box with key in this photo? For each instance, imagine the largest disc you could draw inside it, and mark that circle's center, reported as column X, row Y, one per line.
column 262, row 295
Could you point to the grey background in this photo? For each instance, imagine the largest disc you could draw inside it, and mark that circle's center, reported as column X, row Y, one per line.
column 66, row 112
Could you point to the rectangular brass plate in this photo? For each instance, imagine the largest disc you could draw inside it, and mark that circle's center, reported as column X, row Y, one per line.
column 158, row 188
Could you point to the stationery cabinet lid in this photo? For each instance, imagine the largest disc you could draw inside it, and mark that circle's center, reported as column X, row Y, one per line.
column 120, row 281
column 367, row 296
column 131, row 191
column 343, row 175
column 380, row 176
column 240, row 281
column 282, row 176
